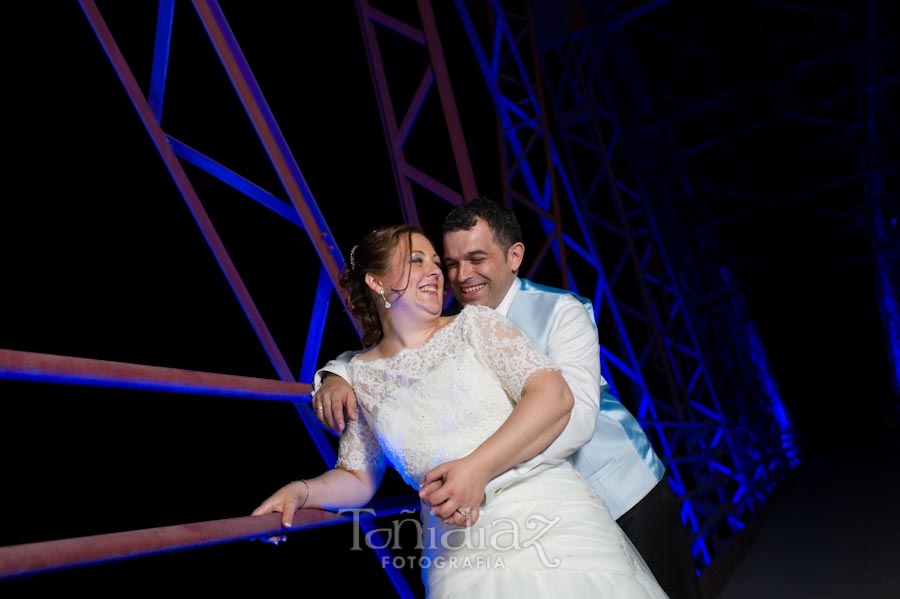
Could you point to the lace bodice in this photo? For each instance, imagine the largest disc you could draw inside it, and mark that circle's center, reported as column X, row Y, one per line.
column 438, row 402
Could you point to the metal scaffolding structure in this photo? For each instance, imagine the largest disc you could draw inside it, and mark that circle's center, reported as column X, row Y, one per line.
column 627, row 166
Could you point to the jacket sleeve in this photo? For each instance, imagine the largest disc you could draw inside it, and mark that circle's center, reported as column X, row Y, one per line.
column 337, row 366
column 574, row 348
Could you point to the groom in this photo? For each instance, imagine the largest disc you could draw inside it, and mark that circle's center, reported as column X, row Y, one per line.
column 483, row 250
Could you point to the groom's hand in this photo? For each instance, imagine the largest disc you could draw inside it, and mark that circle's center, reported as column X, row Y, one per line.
column 458, row 496
column 335, row 403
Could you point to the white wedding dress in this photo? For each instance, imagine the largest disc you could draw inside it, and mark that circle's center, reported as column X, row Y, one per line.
column 548, row 535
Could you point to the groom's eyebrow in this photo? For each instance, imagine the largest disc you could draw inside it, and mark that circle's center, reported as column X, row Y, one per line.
column 474, row 253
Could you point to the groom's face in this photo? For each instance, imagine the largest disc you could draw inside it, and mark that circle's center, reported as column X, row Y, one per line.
column 478, row 270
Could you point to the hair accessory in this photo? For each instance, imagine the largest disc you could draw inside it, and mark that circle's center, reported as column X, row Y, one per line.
column 352, row 260
column 387, row 304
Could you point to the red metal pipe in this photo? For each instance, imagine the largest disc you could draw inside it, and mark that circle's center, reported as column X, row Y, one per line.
column 34, row 558
column 84, row 371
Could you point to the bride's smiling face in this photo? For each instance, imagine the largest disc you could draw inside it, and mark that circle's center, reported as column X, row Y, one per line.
column 416, row 275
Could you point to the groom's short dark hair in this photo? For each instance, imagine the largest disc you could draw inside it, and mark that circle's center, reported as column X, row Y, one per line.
column 500, row 220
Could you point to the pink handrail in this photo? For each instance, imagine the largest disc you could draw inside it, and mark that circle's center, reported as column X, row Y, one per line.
column 85, row 371
column 45, row 556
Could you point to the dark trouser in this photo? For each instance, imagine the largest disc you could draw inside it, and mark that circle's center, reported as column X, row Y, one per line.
column 654, row 526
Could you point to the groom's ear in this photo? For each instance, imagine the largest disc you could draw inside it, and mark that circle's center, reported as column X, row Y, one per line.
column 514, row 255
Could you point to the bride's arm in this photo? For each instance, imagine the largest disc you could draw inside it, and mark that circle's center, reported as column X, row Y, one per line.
column 334, row 489
column 352, row 483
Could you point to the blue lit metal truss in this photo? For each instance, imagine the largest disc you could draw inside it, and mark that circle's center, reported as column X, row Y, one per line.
column 652, row 353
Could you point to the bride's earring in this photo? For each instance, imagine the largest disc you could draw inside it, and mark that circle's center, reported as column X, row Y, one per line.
column 387, row 304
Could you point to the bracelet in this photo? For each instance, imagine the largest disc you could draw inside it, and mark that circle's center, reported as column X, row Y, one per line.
column 305, row 499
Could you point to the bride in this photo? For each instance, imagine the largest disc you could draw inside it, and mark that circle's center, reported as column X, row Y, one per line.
column 457, row 400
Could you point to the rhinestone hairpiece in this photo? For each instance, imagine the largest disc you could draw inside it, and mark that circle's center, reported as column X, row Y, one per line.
column 352, row 261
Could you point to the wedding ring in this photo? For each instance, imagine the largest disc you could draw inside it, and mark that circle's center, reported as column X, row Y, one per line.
column 463, row 513
column 320, row 408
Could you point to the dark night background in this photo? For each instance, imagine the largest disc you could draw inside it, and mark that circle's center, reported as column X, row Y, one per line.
column 101, row 259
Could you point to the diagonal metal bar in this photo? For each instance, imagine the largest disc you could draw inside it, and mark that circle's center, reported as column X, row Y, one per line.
column 401, row 117
column 185, row 187
column 270, row 135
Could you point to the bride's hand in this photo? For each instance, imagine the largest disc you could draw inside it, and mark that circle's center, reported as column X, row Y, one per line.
column 286, row 500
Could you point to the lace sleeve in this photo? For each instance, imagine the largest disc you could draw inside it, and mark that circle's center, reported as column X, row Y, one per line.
column 503, row 348
column 359, row 448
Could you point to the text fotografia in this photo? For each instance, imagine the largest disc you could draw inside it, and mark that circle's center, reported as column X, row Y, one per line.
column 504, row 535
column 477, row 561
